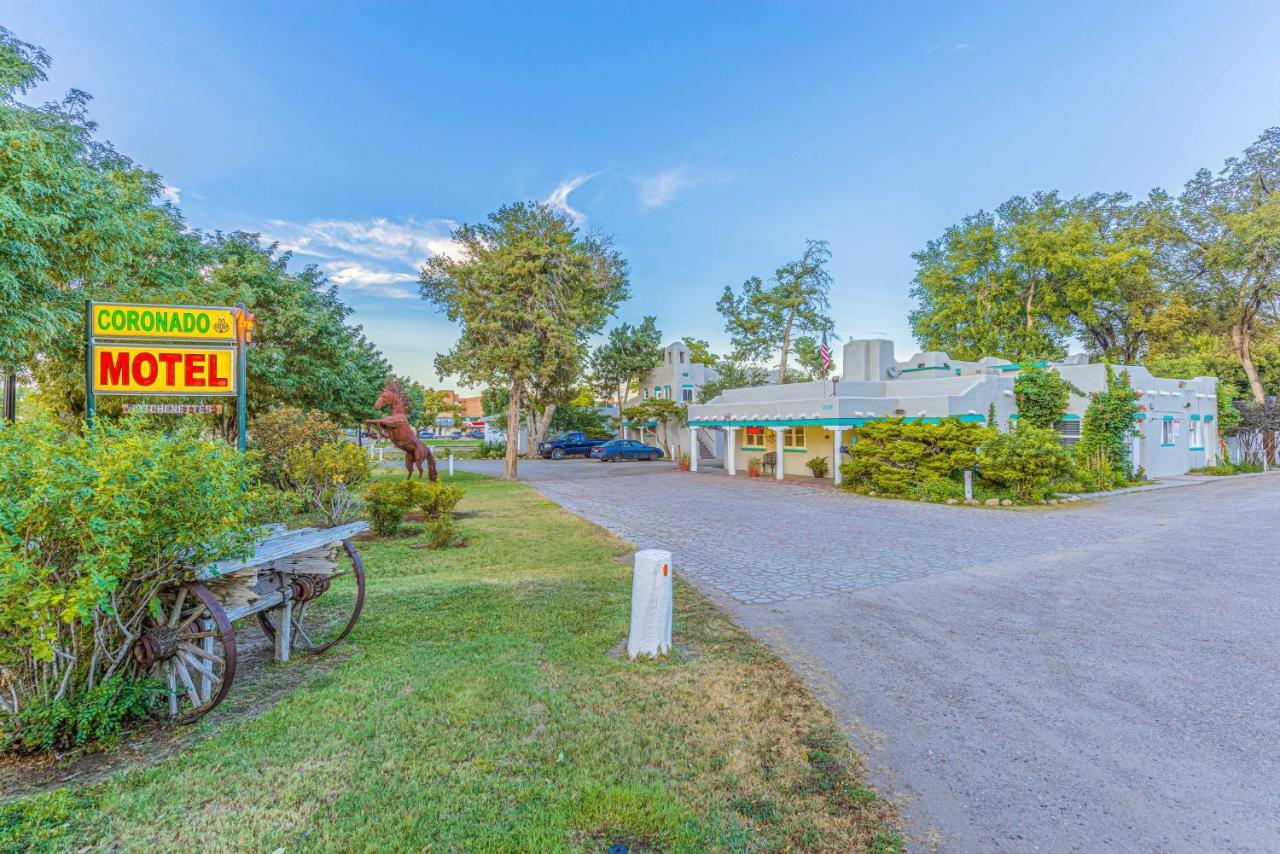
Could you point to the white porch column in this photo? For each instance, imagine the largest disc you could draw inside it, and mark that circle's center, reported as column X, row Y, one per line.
column 729, row 449
column 835, row 450
column 693, row 448
column 778, row 468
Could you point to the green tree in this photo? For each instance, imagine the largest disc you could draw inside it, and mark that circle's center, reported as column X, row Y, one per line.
column 493, row 400
column 527, row 289
column 732, row 375
column 809, row 357
column 763, row 320
column 1224, row 247
column 1026, row 459
column 700, row 352
column 1021, row 282
column 626, row 358
column 1042, row 396
column 667, row 415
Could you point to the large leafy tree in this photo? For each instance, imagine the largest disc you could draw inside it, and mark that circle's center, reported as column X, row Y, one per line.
column 1224, row 249
column 1020, row 282
column 528, row 289
column 764, row 319
column 732, row 375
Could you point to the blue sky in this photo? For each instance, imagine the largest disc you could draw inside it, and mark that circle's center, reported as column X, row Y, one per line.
column 709, row 139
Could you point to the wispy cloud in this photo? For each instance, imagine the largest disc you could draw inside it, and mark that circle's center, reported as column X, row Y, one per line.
column 173, row 195
column 379, row 257
column 656, row 190
column 952, row 48
column 559, row 198
column 359, row 277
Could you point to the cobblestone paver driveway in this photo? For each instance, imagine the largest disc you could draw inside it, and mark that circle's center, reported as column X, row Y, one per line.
column 1101, row 677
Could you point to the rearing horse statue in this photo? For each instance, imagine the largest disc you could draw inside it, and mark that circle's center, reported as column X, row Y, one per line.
column 397, row 429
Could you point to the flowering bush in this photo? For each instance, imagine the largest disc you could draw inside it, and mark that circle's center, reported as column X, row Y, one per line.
column 275, row 433
column 325, row 476
column 91, row 527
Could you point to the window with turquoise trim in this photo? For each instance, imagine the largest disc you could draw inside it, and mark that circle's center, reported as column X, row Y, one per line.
column 793, row 437
column 1166, row 433
column 753, row 439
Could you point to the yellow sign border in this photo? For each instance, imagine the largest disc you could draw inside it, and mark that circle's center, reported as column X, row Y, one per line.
column 215, row 314
column 168, row 391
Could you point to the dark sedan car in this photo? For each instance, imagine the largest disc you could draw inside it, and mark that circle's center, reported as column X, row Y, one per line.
column 625, row 449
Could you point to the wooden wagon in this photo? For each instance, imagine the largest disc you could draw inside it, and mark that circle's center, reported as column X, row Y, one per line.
column 304, row 592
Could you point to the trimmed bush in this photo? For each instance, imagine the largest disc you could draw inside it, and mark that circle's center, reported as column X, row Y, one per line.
column 891, row 456
column 937, row 490
column 1026, row 460
column 386, row 502
column 441, row 533
column 434, row 499
column 275, row 433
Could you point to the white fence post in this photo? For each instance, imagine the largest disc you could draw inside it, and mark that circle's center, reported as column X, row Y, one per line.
column 450, row 462
column 651, row 604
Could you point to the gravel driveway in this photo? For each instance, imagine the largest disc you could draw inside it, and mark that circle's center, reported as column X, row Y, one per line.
column 1103, row 677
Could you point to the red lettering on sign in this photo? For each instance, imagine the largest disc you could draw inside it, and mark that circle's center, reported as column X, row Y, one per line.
column 194, row 375
column 114, row 371
column 216, row 381
column 148, row 377
column 170, row 362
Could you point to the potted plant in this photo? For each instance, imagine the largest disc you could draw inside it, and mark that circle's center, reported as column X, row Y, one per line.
column 817, row 465
column 684, row 462
column 753, row 467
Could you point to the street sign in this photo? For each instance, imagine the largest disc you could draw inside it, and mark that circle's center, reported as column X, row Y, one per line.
column 174, row 408
column 123, row 321
column 445, row 421
column 164, row 369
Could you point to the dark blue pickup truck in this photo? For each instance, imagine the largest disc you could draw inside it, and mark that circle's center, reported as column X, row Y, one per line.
column 568, row 445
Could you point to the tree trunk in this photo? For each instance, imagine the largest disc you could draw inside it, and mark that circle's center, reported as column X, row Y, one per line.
column 786, row 348
column 1242, row 342
column 510, row 462
column 538, row 424
column 1031, row 297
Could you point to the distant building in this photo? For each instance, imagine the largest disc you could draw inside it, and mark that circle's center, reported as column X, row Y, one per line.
column 471, row 406
column 799, row 421
column 677, row 377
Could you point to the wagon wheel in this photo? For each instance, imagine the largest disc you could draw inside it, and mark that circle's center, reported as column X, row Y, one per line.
column 191, row 648
column 325, row 607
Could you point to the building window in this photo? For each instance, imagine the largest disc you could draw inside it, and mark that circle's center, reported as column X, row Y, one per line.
column 1166, row 432
column 686, row 395
column 1068, row 432
column 793, row 437
column 1197, row 434
column 753, row 438
column 682, row 357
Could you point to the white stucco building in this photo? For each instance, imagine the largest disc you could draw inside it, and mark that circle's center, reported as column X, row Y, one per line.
column 678, row 378
column 802, row 420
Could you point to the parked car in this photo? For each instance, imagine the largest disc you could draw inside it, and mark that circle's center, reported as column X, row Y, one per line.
column 456, row 434
column 625, row 449
column 568, row 445
column 476, row 434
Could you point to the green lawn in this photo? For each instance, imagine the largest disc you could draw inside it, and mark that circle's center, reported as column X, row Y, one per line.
column 479, row 705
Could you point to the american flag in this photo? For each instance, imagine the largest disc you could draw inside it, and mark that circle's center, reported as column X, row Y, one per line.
column 825, row 352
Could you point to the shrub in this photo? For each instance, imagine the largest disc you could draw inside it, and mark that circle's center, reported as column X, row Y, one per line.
column 90, row 527
column 324, row 475
column 98, row 715
column 492, row 450
column 936, row 489
column 1026, row 460
column 1109, row 424
column 889, row 456
column 817, row 465
column 387, row 501
column 279, row 431
column 442, row 532
column 435, row 500
column 1042, row 396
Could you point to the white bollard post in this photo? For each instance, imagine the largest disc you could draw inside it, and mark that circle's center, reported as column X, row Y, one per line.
column 968, row 483
column 451, row 464
column 651, row 604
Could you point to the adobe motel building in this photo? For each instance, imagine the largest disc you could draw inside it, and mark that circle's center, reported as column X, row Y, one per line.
column 800, row 421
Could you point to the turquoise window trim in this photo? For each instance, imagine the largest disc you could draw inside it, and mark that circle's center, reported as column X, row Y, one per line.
column 795, row 450
column 1018, row 367
column 1168, row 418
column 1163, row 445
column 1208, row 418
column 926, row 368
column 686, row 385
column 1196, row 448
column 1070, row 417
column 1195, row 417
column 752, row 448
